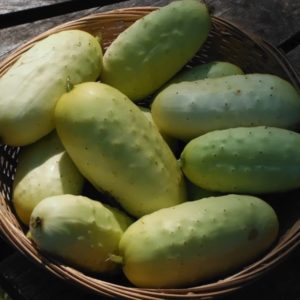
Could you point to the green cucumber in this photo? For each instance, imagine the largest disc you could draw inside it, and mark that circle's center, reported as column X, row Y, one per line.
column 252, row 160
column 152, row 50
column 213, row 69
column 188, row 109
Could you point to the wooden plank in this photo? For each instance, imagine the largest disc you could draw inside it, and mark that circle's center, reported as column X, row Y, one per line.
column 26, row 281
column 5, row 249
column 273, row 20
column 13, row 37
column 8, row 6
column 48, row 11
column 29, row 282
column 294, row 58
column 245, row 14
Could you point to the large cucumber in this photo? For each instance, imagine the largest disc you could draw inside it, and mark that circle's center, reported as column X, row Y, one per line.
column 155, row 48
column 31, row 87
column 44, row 170
column 118, row 149
column 188, row 109
column 196, row 241
column 244, row 160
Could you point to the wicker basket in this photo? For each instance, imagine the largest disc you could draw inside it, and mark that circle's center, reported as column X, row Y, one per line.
column 225, row 42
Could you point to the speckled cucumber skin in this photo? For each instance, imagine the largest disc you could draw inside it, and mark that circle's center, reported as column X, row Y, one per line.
column 44, row 169
column 154, row 48
column 210, row 70
column 244, row 160
column 118, row 149
column 80, row 231
column 197, row 241
column 188, row 109
column 172, row 142
column 32, row 86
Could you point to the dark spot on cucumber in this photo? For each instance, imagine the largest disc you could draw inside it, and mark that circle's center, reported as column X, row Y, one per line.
column 252, row 235
column 69, row 85
column 36, row 222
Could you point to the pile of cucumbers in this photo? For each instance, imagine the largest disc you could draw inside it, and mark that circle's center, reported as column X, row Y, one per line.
column 186, row 169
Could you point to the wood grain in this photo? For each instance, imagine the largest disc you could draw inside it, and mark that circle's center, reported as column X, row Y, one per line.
column 273, row 20
column 32, row 283
column 294, row 58
column 8, row 6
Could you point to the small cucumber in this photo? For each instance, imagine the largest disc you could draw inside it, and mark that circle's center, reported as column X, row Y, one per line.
column 78, row 230
column 44, row 169
column 211, row 70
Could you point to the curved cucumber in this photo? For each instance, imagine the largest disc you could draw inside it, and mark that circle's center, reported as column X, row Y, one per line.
column 188, row 109
column 118, row 149
column 244, row 160
column 155, row 48
column 196, row 241
column 32, row 86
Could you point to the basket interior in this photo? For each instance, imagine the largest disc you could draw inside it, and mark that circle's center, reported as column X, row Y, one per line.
column 225, row 42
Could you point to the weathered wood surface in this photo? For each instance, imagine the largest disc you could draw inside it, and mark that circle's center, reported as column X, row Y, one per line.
column 8, row 6
column 294, row 58
column 30, row 283
column 273, row 20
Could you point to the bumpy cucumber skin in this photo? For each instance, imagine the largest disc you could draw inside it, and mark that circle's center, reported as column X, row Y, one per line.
column 117, row 149
column 172, row 142
column 82, row 232
column 188, row 109
column 252, row 160
column 153, row 49
column 196, row 241
column 44, row 169
column 210, row 70
column 32, row 86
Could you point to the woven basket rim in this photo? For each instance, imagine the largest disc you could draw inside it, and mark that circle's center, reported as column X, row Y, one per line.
column 14, row 234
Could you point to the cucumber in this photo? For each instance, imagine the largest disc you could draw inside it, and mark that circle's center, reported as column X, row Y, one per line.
column 152, row 50
column 197, row 241
column 188, row 109
column 253, row 160
column 118, row 149
column 79, row 231
column 44, row 169
column 32, row 86
column 213, row 69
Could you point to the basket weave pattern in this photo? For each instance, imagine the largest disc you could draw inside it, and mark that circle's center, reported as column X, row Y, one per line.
column 225, row 42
